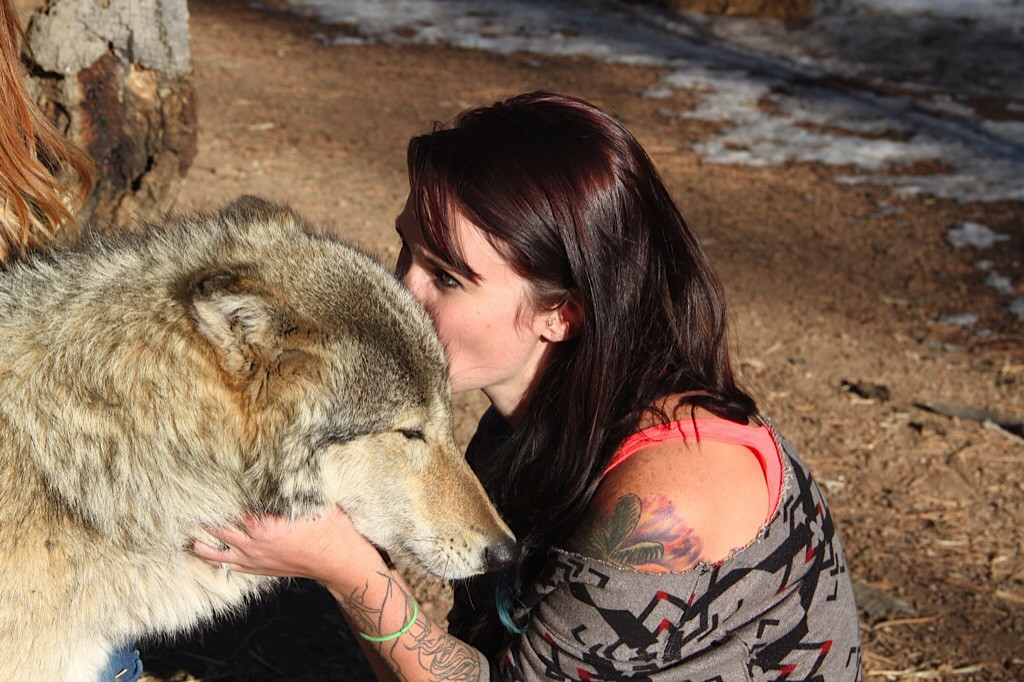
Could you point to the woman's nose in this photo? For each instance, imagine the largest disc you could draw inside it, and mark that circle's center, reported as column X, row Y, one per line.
column 402, row 263
column 412, row 278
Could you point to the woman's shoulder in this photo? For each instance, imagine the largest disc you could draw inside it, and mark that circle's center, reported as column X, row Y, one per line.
column 674, row 503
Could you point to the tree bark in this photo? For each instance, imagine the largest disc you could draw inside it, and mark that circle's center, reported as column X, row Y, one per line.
column 116, row 77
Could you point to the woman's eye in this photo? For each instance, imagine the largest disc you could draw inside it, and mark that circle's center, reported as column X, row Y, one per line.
column 444, row 280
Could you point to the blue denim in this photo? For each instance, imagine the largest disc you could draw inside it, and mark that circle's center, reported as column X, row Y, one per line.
column 124, row 665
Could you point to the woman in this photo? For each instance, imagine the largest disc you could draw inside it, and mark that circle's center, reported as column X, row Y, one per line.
column 667, row 532
column 44, row 179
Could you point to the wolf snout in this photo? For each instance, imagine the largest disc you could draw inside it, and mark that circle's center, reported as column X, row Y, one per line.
column 500, row 555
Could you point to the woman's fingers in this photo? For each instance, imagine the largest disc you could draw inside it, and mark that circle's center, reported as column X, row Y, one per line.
column 225, row 552
column 322, row 547
column 214, row 556
column 229, row 535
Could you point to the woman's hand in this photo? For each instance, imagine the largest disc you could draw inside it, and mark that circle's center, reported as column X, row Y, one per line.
column 327, row 548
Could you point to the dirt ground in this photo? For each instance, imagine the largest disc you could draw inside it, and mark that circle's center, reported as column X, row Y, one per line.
column 831, row 290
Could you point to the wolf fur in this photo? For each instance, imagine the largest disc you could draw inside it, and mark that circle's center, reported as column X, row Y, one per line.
column 154, row 383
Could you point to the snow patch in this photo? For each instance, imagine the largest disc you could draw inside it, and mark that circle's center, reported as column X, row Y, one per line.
column 1016, row 307
column 973, row 234
column 1000, row 283
column 781, row 95
column 960, row 319
column 1008, row 13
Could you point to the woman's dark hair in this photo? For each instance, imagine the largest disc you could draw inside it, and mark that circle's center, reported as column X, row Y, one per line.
column 571, row 200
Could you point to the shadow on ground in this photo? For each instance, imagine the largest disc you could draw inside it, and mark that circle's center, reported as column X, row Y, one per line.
column 297, row 634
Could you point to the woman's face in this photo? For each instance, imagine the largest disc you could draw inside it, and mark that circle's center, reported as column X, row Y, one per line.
column 492, row 335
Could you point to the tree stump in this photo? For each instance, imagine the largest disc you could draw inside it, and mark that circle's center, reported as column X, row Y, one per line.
column 115, row 76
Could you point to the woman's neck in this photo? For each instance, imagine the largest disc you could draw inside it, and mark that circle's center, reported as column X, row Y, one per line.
column 511, row 405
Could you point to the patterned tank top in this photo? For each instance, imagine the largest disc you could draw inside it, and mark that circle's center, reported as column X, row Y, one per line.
column 780, row 608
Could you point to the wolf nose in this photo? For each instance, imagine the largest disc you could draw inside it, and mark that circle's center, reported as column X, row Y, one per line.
column 499, row 556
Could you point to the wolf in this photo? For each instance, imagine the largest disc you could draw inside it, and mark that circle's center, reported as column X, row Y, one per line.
column 188, row 373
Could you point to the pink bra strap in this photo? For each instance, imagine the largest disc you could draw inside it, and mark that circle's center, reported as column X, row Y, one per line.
column 759, row 440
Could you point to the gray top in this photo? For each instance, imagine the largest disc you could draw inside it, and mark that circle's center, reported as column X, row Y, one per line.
column 780, row 608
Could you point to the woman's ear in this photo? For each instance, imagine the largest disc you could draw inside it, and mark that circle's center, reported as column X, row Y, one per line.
column 562, row 323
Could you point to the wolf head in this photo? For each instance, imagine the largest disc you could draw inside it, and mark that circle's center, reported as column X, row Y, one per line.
column 342, row 376
column 231, row 362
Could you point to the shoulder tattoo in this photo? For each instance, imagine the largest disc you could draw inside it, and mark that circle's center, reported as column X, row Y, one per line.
column 646, row 534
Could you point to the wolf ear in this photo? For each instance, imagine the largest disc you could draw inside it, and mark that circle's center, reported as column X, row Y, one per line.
column 248, row 209
column 251, row 334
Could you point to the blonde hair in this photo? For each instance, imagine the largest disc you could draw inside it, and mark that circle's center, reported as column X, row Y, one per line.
column 44, row 178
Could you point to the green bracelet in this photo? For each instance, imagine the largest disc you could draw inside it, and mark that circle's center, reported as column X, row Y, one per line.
column 398, row 633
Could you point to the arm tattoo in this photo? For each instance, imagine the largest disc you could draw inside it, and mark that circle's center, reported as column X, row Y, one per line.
column 439, row 654
column 442, row 655
column 638, row 533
